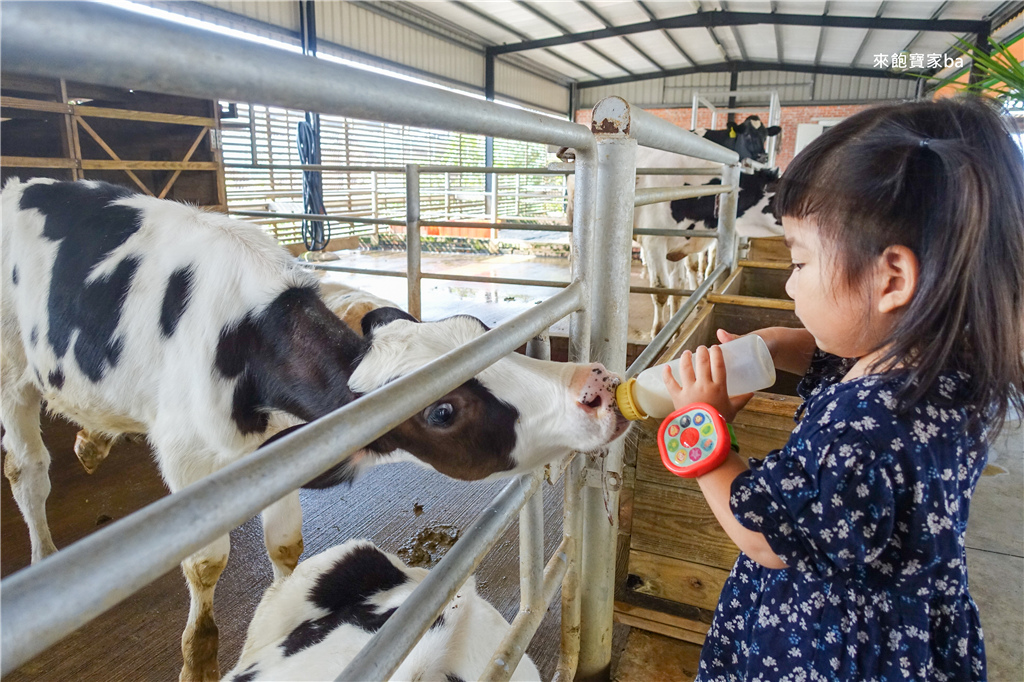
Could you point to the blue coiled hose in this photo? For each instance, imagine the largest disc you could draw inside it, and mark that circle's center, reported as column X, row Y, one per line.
column 315, row 233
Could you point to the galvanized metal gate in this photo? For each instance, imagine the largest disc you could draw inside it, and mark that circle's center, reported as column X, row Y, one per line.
column 110, row 46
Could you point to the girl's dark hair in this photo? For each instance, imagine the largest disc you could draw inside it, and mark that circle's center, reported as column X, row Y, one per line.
column 946, row 180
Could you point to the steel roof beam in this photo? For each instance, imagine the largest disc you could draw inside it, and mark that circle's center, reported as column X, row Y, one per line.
column 668, row 36
column 821, row 38
column 778, row 35
column 736, row 36
column 489, row 50
column 597, row 15
column 725, row 67
column 565, row 31
column 720, row 19
column 935, row 15
column 864, row 40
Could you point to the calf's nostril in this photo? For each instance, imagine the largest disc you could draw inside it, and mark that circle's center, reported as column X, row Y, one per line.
column 593, row 403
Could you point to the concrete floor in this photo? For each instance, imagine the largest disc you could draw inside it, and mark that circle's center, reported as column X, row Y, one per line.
column 492, row 303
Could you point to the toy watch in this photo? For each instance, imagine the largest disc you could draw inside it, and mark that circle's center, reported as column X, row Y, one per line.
column 694, row 440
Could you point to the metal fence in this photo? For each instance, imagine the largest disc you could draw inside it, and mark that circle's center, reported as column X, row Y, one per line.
column 109, row 46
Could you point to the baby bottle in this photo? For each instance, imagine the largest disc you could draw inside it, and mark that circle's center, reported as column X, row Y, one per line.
column 748, row 368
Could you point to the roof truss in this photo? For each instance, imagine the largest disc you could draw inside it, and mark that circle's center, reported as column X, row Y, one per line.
column 710, row 20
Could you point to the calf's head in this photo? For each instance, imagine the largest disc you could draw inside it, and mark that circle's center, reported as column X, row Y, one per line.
column 515, row 415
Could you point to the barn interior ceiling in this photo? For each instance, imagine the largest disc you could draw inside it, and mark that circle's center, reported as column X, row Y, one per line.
column 606, row 42
column 562, row 55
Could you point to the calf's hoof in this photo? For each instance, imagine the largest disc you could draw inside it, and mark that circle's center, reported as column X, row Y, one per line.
column 91, row 449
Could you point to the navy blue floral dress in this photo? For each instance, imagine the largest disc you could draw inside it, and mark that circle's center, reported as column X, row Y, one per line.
column 868, row 510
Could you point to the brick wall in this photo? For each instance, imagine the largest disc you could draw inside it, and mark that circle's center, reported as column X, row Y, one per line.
column 791, row 117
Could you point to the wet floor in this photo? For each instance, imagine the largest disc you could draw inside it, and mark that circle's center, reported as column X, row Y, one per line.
column 491, row 303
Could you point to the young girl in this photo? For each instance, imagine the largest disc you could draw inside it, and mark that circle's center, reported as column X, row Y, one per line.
column 906, row 224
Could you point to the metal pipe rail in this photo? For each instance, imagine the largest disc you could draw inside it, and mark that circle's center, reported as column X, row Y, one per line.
column 473, row 225
column 480, row 278
column 49, row 600
column 342, row 218
column 657, row 195
column 498, row 170
column 658, row 343
column 126, row 49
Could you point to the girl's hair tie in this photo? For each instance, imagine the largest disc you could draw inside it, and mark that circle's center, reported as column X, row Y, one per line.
column 924, row 142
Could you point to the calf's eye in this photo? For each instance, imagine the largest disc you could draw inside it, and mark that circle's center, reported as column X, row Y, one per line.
column 440, row 414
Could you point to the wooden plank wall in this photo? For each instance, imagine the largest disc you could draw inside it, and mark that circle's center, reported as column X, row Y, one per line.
column 673, row 557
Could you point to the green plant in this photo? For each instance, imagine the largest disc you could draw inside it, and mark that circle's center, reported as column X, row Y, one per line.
column 1002, row 75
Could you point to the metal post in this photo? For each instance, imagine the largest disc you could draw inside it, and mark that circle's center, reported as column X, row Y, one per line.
column 584, row 243
column 373, row 196
column 252, row 136
column 733, row 83
column 531, row 551
column 493, row 194
column 531, row 517
column 490, row 180
column 447, row 195
column 693, row 110
column 774, row 116
column 615, row 187
column 517, row 208
column 727, row 241
column 572, row 532
column 412, row 236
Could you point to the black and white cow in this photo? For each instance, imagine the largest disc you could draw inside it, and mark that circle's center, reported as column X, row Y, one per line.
column 683, row 262
column 129, row 314
column 311, row 624
column 746, row 139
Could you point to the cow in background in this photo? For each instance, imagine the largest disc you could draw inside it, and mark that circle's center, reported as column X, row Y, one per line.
column 747, row 139
column 684, row 262
column 681, row 262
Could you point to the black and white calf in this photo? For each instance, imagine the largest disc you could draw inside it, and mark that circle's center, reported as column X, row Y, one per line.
column 311, row 624
column 127, row 313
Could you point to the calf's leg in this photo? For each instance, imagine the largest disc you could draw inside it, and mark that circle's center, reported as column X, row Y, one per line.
column 181, row 465
column 200, row 638
column 282, row 533
column 27, row 462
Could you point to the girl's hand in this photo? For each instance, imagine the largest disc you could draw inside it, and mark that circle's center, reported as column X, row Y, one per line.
column 791, row 349
column 702, row 377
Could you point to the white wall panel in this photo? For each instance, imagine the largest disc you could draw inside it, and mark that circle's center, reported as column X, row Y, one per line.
column 353, row 27
column 530, row 89
column 277, row 12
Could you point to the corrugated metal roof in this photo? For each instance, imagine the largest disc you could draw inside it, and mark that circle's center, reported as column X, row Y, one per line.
column 685, row 45
column 644, row 54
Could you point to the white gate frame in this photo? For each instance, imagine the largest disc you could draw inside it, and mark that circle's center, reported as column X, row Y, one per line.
column 110, row 46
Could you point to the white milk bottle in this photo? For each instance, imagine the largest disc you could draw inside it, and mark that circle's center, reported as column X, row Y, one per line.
column 748, row 368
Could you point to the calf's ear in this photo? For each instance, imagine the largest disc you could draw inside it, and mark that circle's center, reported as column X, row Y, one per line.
column 773, row 131
column 382, row 316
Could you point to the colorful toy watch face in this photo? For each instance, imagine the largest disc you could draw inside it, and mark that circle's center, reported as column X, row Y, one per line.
column 691, row 441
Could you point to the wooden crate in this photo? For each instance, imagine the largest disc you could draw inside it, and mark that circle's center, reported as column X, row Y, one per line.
column 768, row 249
column 758, row 282
column 672, row 556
